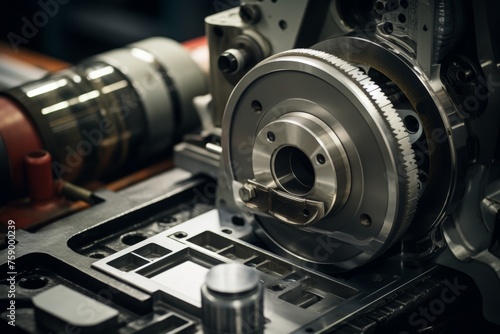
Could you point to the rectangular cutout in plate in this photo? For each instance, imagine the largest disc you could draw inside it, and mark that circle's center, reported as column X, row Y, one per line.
column 275, row 268
column 128, row 262
column 166, row 325
column 316, row 285
column 173, row 260
column 238, row 253
column 183, row 272
column 161, row 324
column 210, row 241
column 300, row 297
column 186, row 278
column 152, row 251
column 171, row 323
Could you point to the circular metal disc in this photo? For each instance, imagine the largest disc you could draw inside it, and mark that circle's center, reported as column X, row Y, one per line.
column 445, row 132
column 232, row 278
column 384, row 186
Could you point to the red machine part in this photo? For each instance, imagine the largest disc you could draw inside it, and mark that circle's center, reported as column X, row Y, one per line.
column 39, row 176
column 45, row 204
column 20, row 137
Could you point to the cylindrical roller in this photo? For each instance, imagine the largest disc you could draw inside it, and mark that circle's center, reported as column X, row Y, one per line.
column 232, row 300
column 117, row 107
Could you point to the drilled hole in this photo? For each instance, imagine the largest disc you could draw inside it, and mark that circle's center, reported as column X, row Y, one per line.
column 365, row 220
column 320, row 158
column 33, row 282
column 133, row 238
column 238, row 221
column 97, row 255
column 271, row 136
column 180, row 235
column 256, row 106
column 167, row 221
column 411, row 124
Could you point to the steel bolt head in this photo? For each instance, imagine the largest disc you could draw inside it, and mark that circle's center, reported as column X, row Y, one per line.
column 247, row 192
column 250, row 13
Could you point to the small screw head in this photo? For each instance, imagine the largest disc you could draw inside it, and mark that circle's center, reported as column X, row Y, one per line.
column 247, row 192
column 250, row 14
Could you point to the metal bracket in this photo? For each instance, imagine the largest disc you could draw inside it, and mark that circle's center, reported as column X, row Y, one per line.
column 293, row 210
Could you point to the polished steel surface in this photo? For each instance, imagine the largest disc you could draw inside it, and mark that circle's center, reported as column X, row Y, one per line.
column 303, row 157
column 370, row 187
column 232, row 300
column 346, row 178
column 231, row 279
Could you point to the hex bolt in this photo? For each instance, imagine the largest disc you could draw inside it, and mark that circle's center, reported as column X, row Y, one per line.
column 247, row 192
column 250, row 14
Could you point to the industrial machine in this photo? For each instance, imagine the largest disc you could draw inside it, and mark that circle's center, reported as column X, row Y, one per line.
column 334, row 171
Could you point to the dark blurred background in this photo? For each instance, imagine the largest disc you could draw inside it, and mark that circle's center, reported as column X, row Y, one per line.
column 74, row 29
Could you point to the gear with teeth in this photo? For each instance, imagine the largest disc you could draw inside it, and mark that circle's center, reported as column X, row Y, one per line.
column 407, row 157
column 373, row 192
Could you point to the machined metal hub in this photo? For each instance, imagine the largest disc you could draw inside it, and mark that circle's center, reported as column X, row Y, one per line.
column 302, row 156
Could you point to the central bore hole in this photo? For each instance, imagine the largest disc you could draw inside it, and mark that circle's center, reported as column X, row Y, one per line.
column 294, row 170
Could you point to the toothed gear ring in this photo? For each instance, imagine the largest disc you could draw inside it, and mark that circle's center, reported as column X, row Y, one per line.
column 327, row 156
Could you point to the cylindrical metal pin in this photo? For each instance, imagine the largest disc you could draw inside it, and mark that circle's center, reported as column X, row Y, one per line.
column 232, row 300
